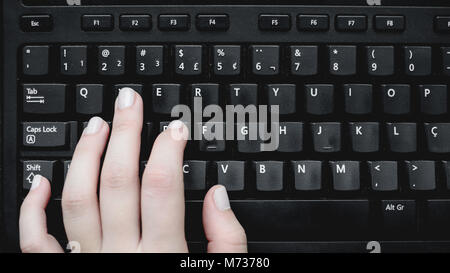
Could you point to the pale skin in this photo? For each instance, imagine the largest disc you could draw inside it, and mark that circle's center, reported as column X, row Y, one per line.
column 126, row 215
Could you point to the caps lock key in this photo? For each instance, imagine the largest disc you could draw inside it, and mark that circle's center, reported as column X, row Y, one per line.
column 45, row 134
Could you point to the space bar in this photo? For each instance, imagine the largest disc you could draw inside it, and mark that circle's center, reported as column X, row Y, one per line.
column 287, row 220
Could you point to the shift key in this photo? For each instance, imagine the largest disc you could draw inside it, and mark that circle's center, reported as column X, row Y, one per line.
column 45, row 134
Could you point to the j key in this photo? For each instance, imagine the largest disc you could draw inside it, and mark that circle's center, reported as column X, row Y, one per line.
column 227, row 60
column 194, row 172
column 97, row 22
column 188, row 60
column 111, row 60
column 283, row 95
column 307, row 175
column 89, row 99
column 45, row 134
column 149, row 60
column 326, row 137
column 380, row 60
column 365, row 136
column 44, row 98
column 73, row 60
column 35, row 60
column 231, row 174
column 212, row 137
column 265, row 60
column 384, row 175
column 342, row 60
column 174, row 22
column 165, row 97
column 421, row 175
column 433, row 99
column 269, row 175
column 37, row 167
column 389, row 23
column 207, row 92
column 398, row 217
column 438, row 136
column 135, row 22
column 272, row 22
column 346, row 175
column 358, row 98
column 307, row 22
column 66, row 166
column 319, row 99
column 445, row 52
column 351, row 22
column 418, row 60
column 402, row 137
column 216, row 22
column 437, row 220
column 396, row 98
column 243, row 94
column 291, row 137
column 304, row 60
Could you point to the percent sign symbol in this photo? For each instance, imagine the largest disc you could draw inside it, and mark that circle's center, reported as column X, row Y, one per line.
column 221, row 52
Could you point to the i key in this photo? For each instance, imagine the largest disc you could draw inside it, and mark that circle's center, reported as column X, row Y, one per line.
column 73, row 60
column 418, row 60
column 265, row 60
column 111, row 60
column 342, row 60
column 188, row 60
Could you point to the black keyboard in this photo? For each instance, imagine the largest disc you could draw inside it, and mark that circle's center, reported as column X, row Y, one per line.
column 363, row 162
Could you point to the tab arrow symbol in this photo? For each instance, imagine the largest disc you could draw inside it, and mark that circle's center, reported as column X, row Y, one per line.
column 30, row 178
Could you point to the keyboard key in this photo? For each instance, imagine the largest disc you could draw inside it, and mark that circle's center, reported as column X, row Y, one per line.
column 307, row 175
column 283, row 95
column 243, row 94
column 346, row 175
column 319, row 99
column 313, row 22
column 394, row 23
column 326, row 137
column 380, row 60
column 37, row 167
column 437, row 221
column 97, row 22
column 135, row 22
column 384, row 175
column 45, row 134
column 433, row 99
column 139, row 88
column 89, row 99
column 365, row 136
column 66, row 166
column 44, row 98
column 269, row 175
column 73, row 60
column 342, row 60
column 216, row 22
column 231, row 174
column 402, row 137
column 291, row 137
column 212, row 137
column 351, row 23
column 194, row 172
column 227, row 60
column 274, row 22
column 174, row 22
column 188, row 60
column 36, row 23
column 421, row 175
column 249, row 140
column 358, row 98
column 398, row 218
column 35, row 60
column 418, row 60
column 111, row 60
column 438, row 136
column 149, row 60
column 207, row 92
column 396, row 98
column 304, row 60
column 165, row 97
column 442, row 24
column 265, row 60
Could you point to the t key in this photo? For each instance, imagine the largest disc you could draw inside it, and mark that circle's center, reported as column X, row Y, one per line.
column 265, row 60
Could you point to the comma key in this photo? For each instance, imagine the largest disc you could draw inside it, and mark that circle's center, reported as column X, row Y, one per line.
column 45, row 134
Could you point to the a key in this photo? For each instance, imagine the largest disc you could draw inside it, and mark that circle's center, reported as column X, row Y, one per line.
column 188, row 60
column 398, row 218
column 269, row 175
column 32, row 168
column 231, row 174
column 208, row 93
column 212, row 137
column 89, row 99
column 243, row 94
column 438, row 137
column 319, row 99
column 304, row 60
column 45, row 134
column 194, row 172
column 396, row 98
column 384, row 175
column 227, row 60
column 73, row 60
column 380, row 60
column 291, row 137
column 165, row 97
column 149, row 60
column 342, row 60
column 265, row 60
column 111, row 60
column 418, row 60
column 365, row 136
column 326, row 137
column 402, row 137
column 358, row 98
column 283, row 95
column 307, row 175
column 421, row 175
column 44, row 98
column 433, row 99
column 346, row 176
column 35, row 60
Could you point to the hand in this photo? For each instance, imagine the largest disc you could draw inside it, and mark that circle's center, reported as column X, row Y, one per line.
column 127, row 216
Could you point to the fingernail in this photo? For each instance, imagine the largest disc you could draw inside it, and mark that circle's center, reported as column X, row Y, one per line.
column 178, row 130
column 94, row 125
column 221, row 199
column 36, row 182
column 125, row 98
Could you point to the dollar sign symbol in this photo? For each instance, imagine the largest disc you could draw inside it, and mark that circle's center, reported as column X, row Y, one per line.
column 181, row 54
